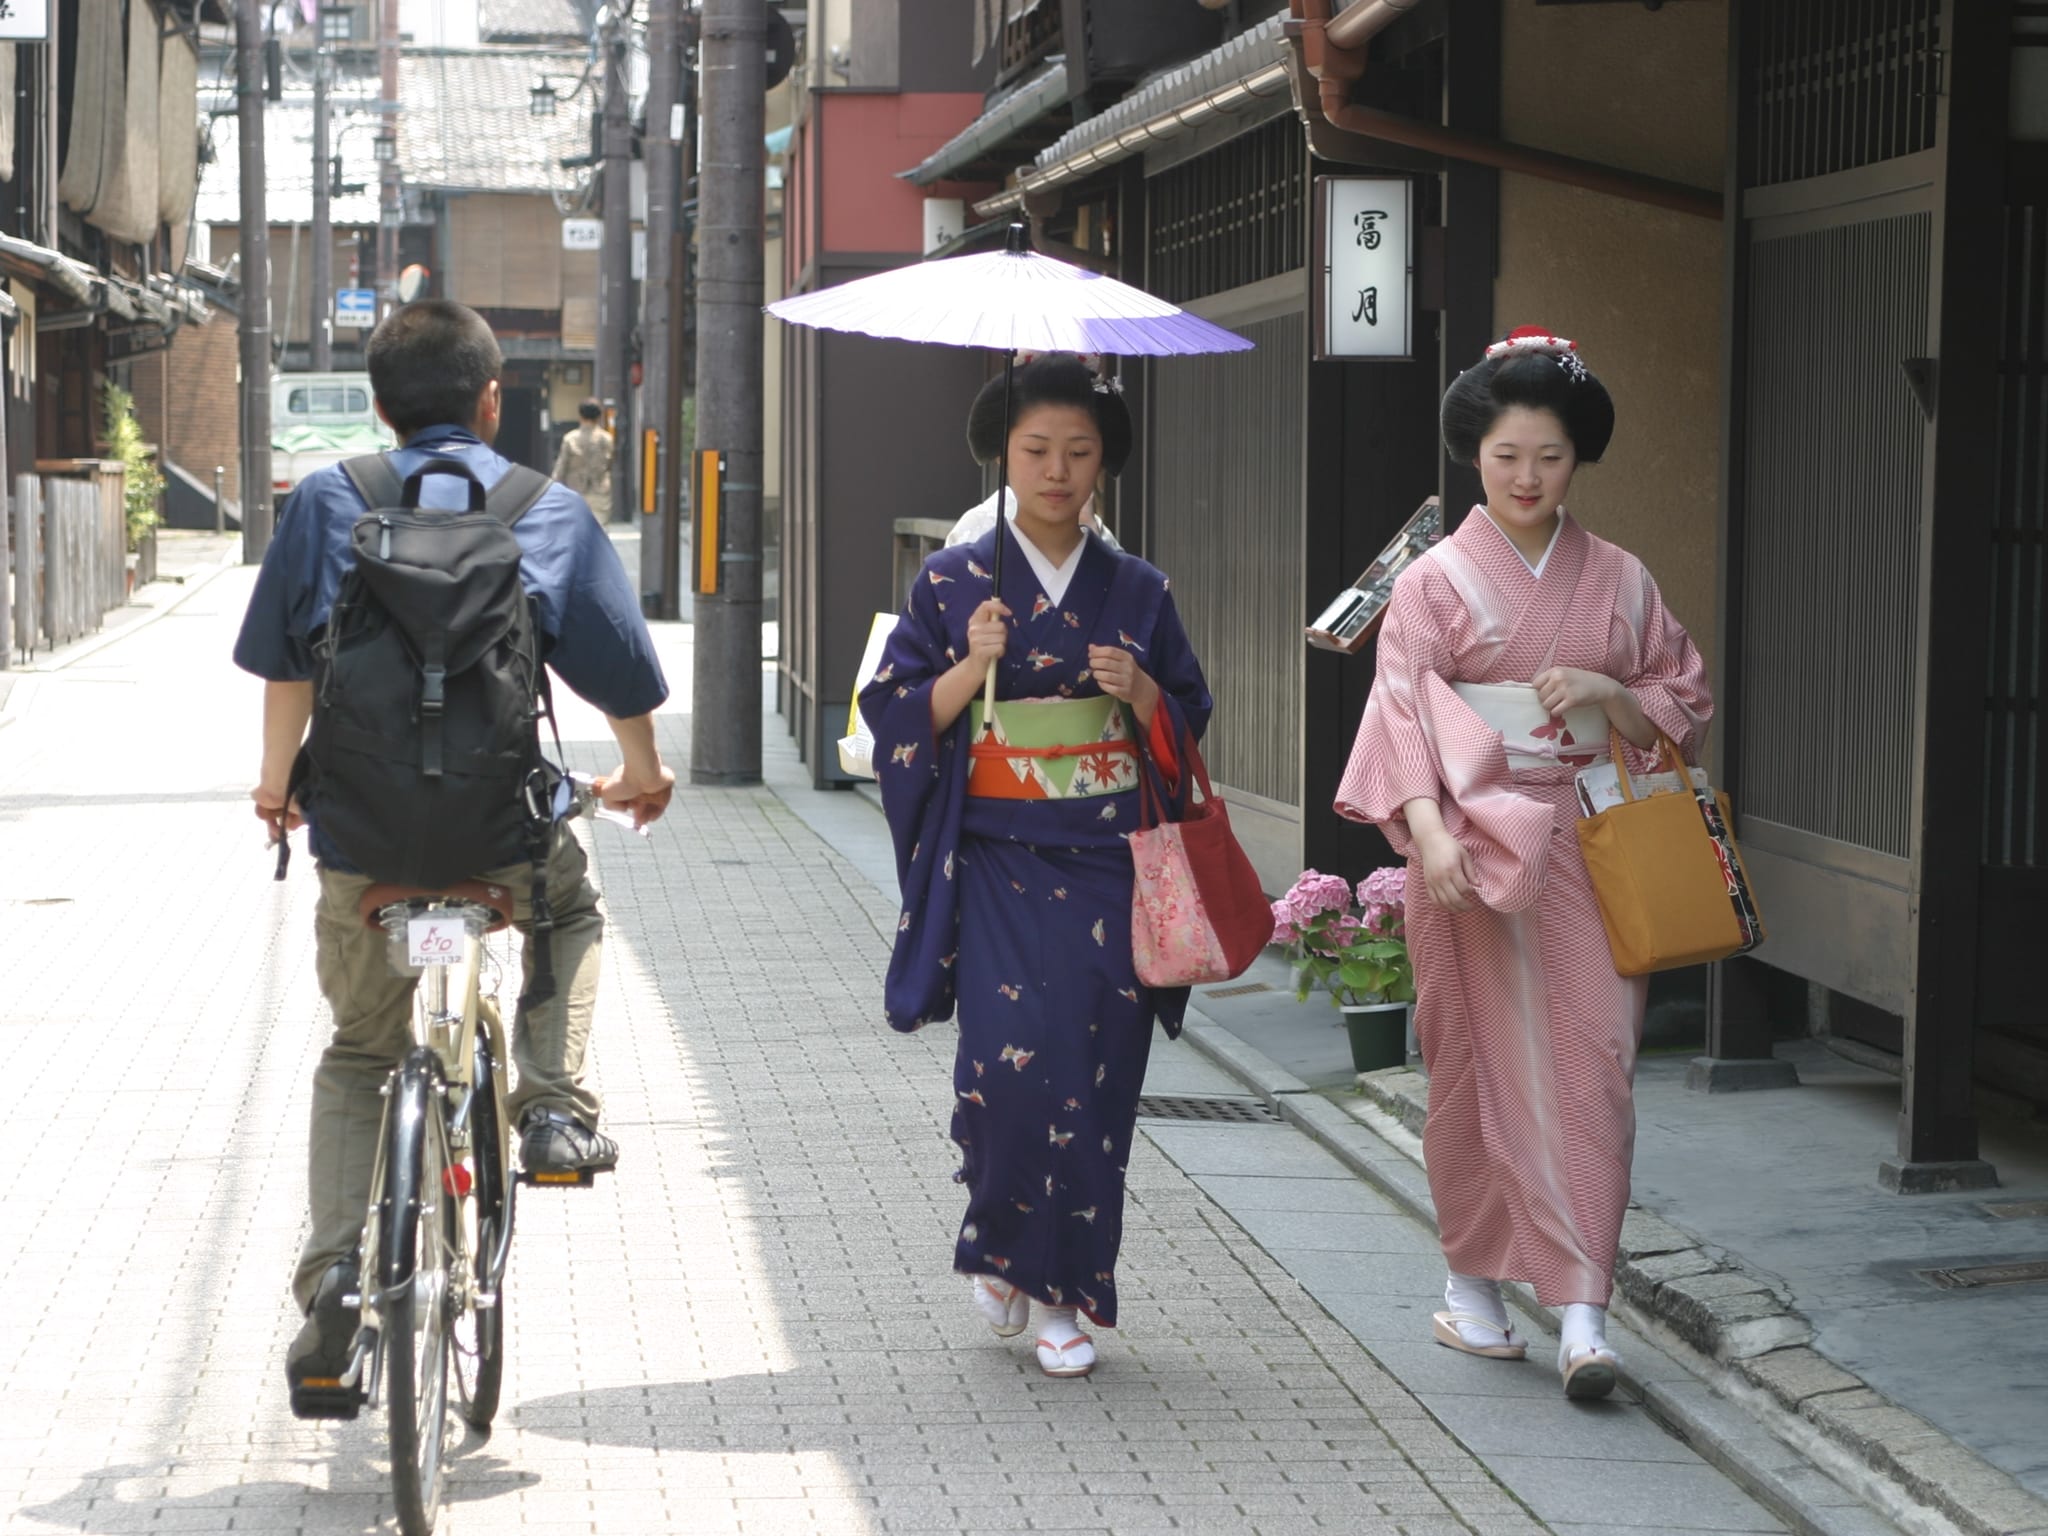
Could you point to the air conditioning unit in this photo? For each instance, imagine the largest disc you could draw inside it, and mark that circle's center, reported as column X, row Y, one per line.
column 1111, row 43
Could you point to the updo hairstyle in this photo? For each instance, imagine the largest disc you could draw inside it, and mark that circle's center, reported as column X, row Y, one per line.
column 1539, row 372
column 1053, row 378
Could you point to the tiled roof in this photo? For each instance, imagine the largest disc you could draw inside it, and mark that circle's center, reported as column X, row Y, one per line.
column 1250, row 53
column 466, row 123
column 504, row 21
column 288, row 163
column 1004, row 115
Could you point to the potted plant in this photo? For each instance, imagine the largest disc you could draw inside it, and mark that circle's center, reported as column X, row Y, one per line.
column 1357, row 955
column 142, row 485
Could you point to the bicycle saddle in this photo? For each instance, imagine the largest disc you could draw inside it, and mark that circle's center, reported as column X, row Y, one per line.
column 496, row 898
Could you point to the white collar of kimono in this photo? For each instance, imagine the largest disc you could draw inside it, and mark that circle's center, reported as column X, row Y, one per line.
column 1055, row 579
column 1535, row 566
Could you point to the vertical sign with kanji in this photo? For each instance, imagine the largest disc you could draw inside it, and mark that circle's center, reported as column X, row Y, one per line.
column 1365, row 290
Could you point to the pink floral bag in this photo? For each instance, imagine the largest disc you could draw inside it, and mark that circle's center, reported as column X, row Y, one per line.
column 1198, row 913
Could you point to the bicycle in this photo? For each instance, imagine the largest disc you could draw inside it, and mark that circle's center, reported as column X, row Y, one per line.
column 437, row 1236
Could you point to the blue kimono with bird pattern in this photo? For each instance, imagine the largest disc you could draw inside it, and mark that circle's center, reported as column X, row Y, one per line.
column 1017, row 914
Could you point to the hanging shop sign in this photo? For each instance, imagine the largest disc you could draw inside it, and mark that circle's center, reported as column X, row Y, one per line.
column 582, row 234
column 25, row 21
column 1365, row 290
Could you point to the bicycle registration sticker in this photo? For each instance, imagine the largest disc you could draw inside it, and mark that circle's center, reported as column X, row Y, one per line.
column 433, row 941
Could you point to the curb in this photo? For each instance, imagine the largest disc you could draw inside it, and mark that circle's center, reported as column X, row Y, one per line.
column 188, row 589
column 1719, row 1309
column 1789, row 1426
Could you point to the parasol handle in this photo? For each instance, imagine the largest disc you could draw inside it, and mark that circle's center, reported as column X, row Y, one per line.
column 1002, row 521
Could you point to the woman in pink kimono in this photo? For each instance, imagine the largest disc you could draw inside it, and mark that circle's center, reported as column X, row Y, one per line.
column 1508, row 654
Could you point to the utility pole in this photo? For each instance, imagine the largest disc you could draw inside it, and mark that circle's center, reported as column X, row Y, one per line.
column 615, row 290
column 322, row 298
column 725, row 742
column 682, row 315
column 662, row 390
column 389, row 205
column 255, row 256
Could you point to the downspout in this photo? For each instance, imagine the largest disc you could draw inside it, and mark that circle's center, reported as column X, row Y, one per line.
column 1333, row 51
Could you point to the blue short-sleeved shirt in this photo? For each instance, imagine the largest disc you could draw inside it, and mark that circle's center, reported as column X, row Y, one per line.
column 592, row 633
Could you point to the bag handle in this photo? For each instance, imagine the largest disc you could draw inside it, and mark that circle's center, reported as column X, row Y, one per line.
column 409, row 496
column 1667, row 752
column 1152, row 796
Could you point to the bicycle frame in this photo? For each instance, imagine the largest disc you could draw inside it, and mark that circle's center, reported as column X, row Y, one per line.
column 447, row 1015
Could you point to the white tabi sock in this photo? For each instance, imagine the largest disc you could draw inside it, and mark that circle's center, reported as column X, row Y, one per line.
column 1584, row 1327
column 1477, row 1297
column 1056, row 1325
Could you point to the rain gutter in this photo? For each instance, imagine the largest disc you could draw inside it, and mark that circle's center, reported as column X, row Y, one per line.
column 1095, row 143
column 1045, row 92
column 1332, row 49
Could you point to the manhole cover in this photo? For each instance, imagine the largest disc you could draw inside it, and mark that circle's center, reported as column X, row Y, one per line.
column 2014, row 1210
column 1243, row 989
column 1967, row 1278
column 1226, row 1111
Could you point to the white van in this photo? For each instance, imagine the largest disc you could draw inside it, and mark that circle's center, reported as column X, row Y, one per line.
column 317, row 419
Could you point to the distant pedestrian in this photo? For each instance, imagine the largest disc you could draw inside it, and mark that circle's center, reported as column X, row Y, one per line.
column 1508, row 654
column 1015, row 874
column 585, row 462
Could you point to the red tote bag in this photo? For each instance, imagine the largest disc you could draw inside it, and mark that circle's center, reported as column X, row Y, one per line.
column 1198, row 913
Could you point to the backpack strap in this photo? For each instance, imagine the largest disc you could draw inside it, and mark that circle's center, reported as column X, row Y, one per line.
column 374, row 479
column 515, row 493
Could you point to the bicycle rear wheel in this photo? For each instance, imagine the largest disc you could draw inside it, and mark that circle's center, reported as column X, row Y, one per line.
column 478, row 1331
column 417, row 1248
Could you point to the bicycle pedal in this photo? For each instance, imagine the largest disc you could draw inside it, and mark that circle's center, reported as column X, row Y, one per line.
column 561, row 1178
column 324, row 1397
column 337, row 1397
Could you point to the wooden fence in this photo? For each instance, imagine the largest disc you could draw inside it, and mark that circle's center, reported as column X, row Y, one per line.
column 67, row 536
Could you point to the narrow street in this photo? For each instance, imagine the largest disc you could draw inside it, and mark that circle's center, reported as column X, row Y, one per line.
column 752, row 1327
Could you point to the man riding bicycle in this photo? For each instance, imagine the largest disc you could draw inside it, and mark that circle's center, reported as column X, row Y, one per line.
column 434, row 370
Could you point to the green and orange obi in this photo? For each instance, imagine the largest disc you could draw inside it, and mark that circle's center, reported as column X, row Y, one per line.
column 1052, row 749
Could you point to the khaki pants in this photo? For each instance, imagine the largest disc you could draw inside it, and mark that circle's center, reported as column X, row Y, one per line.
column 372, row 1008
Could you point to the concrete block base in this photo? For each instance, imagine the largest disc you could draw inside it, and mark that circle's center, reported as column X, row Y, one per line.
column 1727, row 1074
column 1909, row 1178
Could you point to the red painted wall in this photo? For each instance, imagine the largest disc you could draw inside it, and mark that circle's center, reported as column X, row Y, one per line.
column 864, row 141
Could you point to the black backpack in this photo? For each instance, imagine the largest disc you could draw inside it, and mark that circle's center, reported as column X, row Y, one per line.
column 423, row 766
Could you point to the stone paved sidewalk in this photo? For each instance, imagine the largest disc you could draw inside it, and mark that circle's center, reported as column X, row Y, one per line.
column 750, row 1329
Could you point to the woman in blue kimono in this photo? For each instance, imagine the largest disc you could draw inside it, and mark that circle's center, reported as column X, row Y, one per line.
column 1010, row 850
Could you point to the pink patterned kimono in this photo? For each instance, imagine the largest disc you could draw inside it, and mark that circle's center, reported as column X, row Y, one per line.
column 1528, row 1034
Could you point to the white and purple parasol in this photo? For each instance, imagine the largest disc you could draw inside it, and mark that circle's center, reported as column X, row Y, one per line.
column 1013, row 300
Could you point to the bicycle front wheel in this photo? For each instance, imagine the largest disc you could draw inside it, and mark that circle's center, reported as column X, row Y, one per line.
column 478, row 1330
column 417, row 1250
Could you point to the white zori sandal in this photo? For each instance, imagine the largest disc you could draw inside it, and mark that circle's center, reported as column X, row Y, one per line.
column 1002, row 1306
column 1494, row 1342
column 1589, row 1371
column 1589, row 1368
column 1063, row 1349
column 1475, row 1320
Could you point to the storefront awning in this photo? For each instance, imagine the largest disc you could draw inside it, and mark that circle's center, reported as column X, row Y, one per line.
column 1244, row 80
column 72, row 279
column 1044, row 93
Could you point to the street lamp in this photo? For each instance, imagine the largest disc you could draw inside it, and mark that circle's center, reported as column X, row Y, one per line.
column 541, row 99
column 337, row 23
column 385, row 146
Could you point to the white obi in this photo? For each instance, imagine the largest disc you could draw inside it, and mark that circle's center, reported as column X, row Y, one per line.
column 1532, row 736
